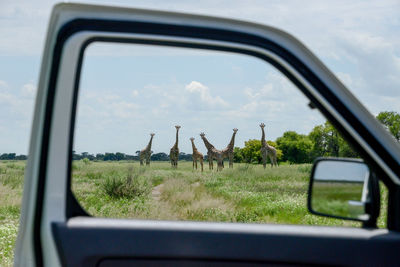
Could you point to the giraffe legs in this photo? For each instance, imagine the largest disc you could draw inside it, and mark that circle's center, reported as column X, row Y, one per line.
column 230, row 160
column 174, row 163
column 264, row 159
column 141, row 159
column 210, row 162
column 201, row 163
column 220, row 165
column 271, row 158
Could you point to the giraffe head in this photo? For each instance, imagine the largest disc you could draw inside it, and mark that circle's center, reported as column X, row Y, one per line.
column 235, row 130
column 192, row 139
column 177, row 127
column 202, row 134
column 262, row 125
column 152, row 134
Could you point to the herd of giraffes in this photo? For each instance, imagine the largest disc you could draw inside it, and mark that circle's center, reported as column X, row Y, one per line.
column 212, row 153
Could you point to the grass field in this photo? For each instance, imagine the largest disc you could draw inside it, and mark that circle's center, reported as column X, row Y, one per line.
column 246, row 193
column 333, row 198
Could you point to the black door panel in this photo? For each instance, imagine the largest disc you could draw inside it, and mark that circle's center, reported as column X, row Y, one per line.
column 87, row 241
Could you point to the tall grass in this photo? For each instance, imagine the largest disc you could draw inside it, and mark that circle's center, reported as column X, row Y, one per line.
column 11, row 181
column 246, row 193
column 131, row 185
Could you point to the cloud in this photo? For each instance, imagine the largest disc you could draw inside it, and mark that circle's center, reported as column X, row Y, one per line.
column 378, row 65
column 203, row 92
column 124, row 109
column 28, row 90
column 278, row 100
column 135, row 93
column 3, row 85
column 100, row 105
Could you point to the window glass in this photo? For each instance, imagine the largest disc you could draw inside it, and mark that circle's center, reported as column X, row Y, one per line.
column 130, row 159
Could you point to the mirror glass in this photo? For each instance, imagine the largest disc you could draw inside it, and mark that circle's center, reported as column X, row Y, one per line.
column 340, row 188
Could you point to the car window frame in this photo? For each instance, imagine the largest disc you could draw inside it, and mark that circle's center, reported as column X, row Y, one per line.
column 65, row 24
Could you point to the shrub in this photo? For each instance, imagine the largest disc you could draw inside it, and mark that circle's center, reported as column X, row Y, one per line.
column 130, row 186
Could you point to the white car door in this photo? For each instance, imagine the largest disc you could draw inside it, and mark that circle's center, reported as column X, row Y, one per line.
column 54, row 230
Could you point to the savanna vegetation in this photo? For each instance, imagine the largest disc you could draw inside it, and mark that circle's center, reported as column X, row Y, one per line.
column 114, row 185
column 124, row 189
column 11, row 185
column 246, row 193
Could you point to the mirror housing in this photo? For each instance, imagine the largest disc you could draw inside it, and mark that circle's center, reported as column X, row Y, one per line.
column 344, row 188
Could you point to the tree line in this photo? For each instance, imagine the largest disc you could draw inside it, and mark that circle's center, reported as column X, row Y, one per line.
column 122, row 156
column 323, row 141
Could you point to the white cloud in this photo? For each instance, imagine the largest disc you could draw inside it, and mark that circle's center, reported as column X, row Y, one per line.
column 28, row 90
column 123, row 109
column 203, row 91
column 377, row 63
column 135, row 93
column 3, row 85
column 110, row 105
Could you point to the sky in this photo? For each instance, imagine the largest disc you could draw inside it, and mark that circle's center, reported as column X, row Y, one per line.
column 358, row 40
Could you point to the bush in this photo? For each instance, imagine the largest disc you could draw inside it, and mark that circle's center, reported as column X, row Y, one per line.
column 131, row 186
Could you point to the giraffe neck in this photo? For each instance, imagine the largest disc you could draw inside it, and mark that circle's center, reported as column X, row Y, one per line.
column 149, row 145
column 206, row 143
column 176, row 142
column 232, row 142
column 263, row 142
column 193, row 146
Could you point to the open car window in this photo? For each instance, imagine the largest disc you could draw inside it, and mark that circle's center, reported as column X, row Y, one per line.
column 124, row 160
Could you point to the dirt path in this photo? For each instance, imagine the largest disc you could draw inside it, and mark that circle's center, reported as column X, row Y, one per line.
column 156, row 192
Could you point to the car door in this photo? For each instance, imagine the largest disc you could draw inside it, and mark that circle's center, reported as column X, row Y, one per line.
column 55, row 230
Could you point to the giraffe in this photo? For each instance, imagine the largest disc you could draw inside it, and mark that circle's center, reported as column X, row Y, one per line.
column 174, row 153
column 267, row 150
column 146, row 153
column 196, row 155
column 212, row 154
column 228, row 151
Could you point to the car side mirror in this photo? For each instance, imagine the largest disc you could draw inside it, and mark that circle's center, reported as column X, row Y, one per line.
column 345, row 189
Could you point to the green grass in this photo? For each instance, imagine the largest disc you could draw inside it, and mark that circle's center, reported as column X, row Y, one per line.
column 11, row 180
column 333, row 198
column 246, row 193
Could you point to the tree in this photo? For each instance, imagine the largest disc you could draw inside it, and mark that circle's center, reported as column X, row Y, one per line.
column 8, row 156
column 237, row 155
column 99, row 156
column 326, row 141
column 119, row 156
column 184, row 156
column 160, row 157
column 76, row 156
column 109, row 156
column 251, row 151
column 391, row 121
column 296, row 148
